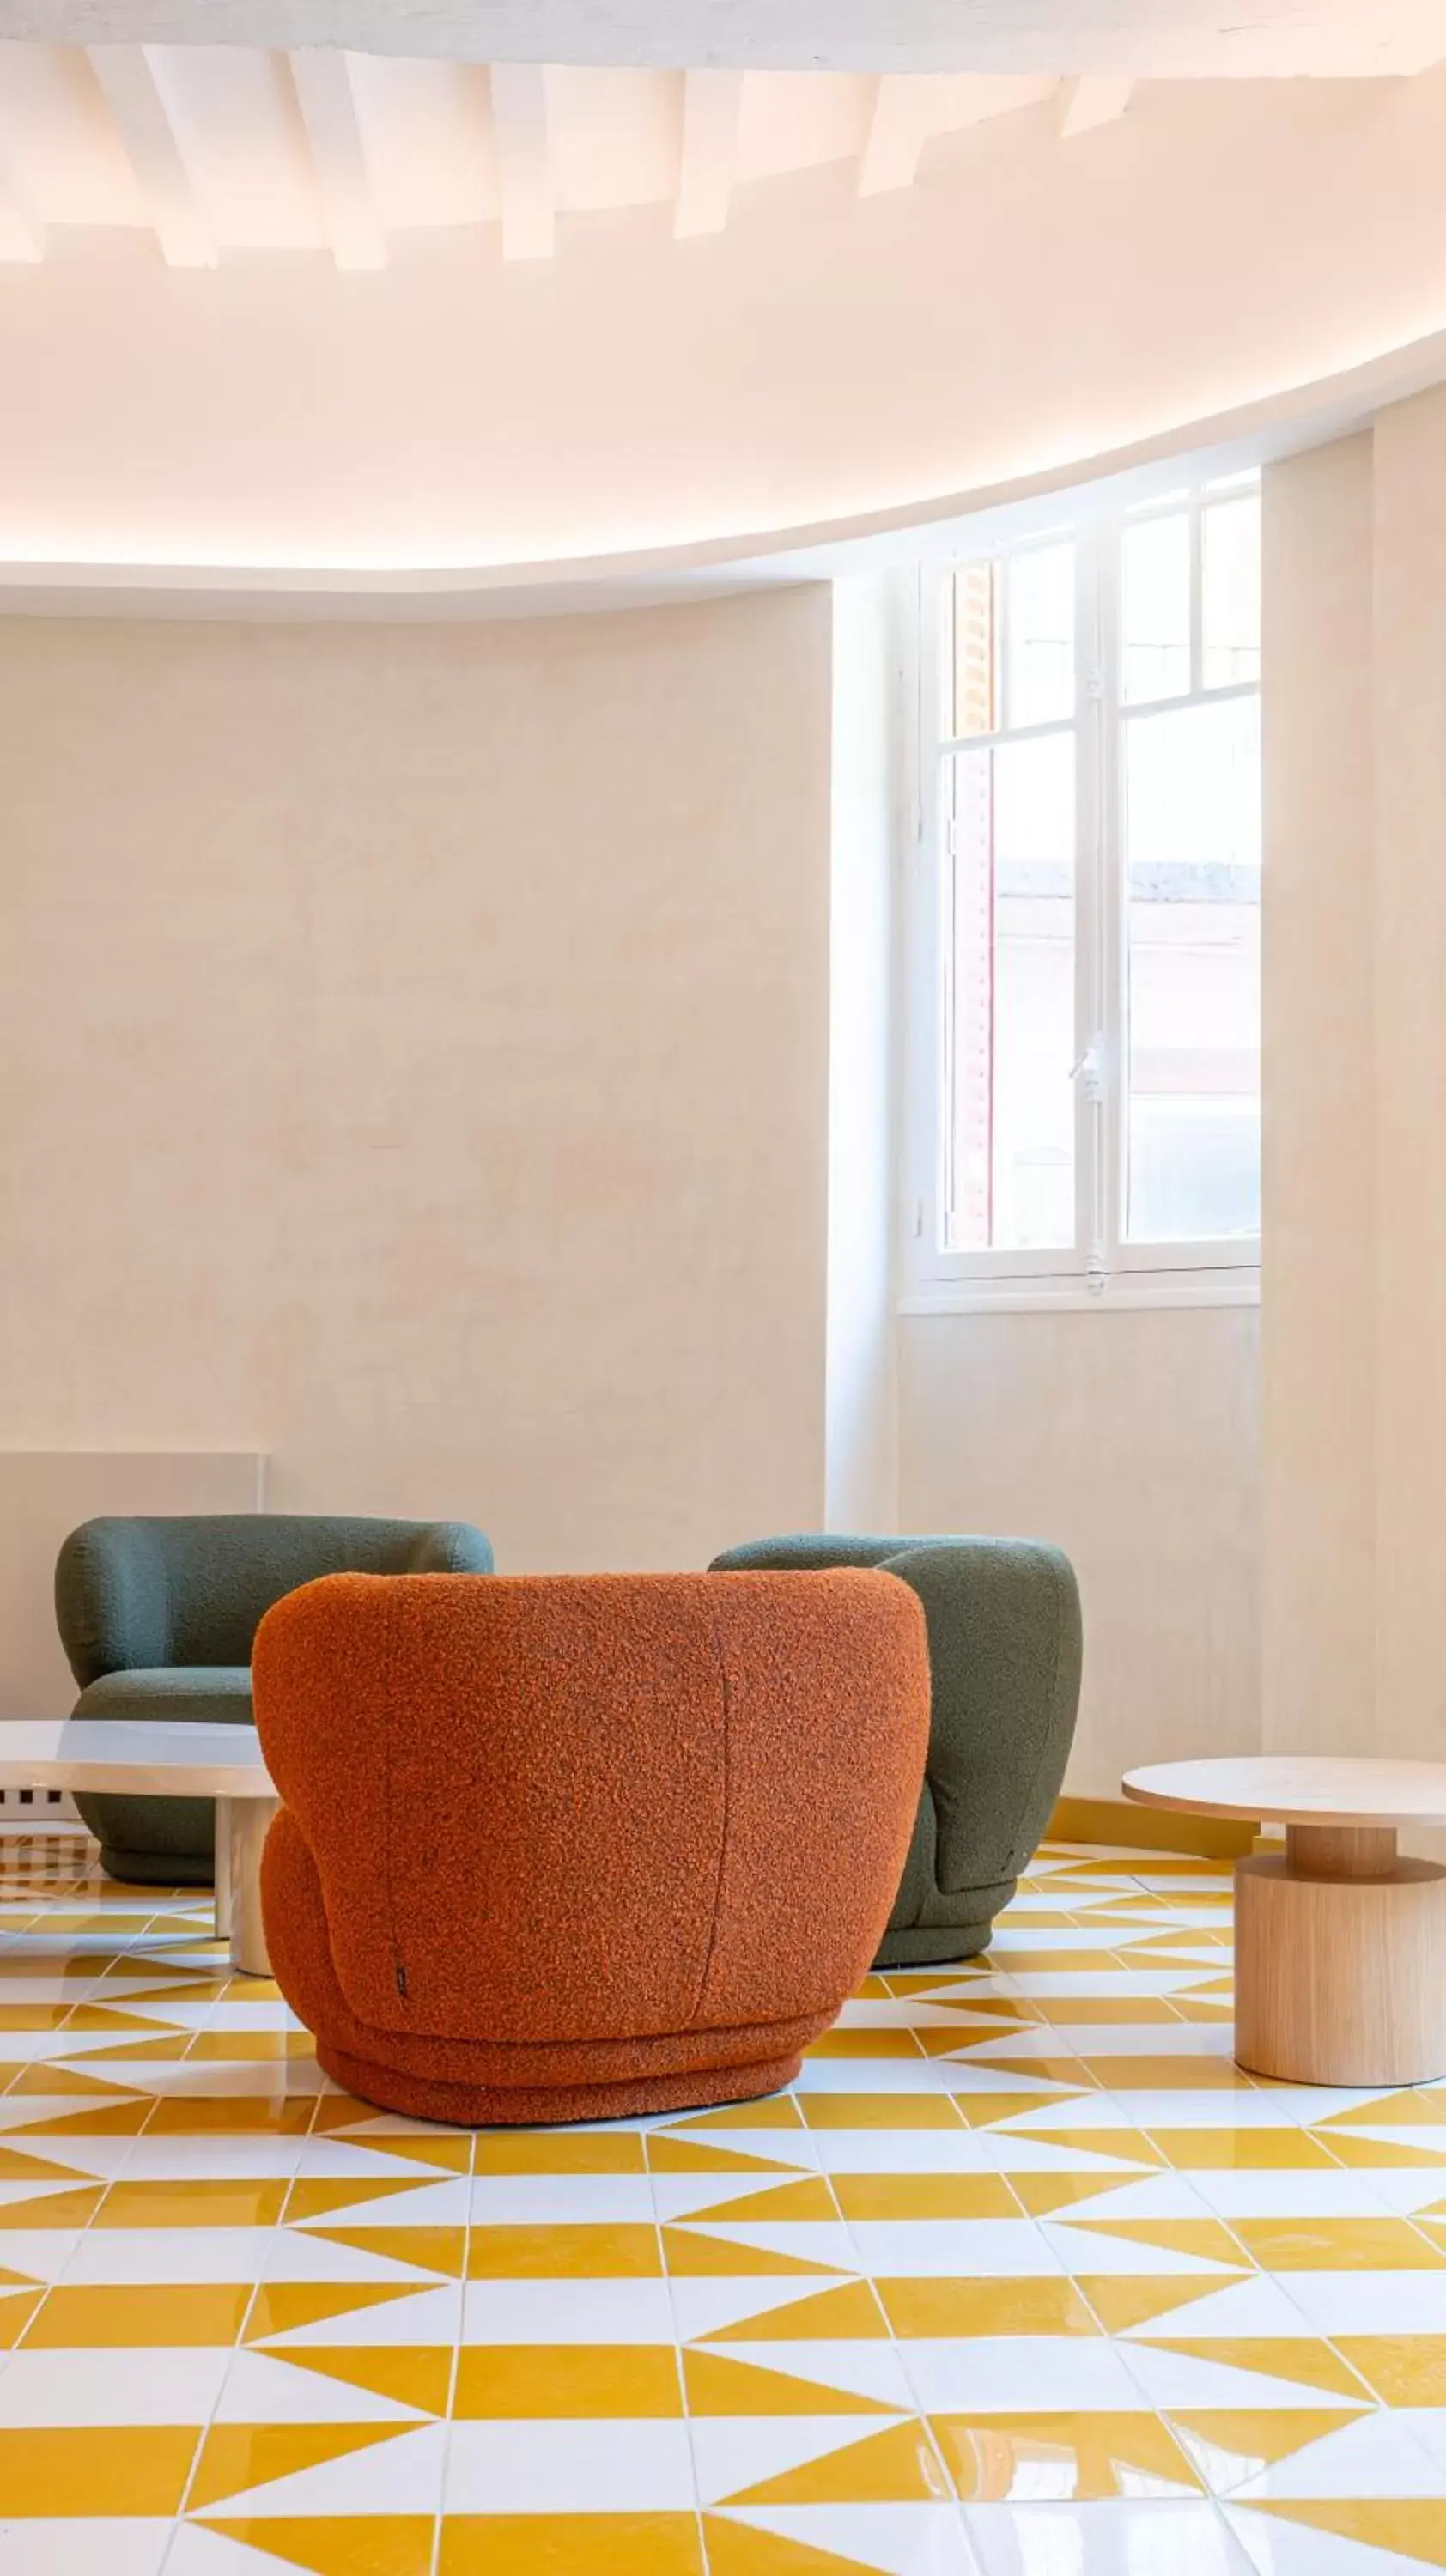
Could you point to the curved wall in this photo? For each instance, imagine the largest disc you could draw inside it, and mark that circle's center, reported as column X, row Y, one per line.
column 1029, row 307
column 414, row 1047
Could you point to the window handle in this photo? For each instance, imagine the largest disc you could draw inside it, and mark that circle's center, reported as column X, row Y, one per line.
column 1089, row 1071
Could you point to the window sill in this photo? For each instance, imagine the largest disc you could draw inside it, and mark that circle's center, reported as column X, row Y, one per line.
column 1126, row 1292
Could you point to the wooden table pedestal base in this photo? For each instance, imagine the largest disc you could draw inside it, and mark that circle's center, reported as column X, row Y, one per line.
column 1340, row 1960
column 241, row 1825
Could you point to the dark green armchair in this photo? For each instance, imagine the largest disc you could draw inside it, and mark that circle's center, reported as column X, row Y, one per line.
column 157, row 1618
column 1004, row 1650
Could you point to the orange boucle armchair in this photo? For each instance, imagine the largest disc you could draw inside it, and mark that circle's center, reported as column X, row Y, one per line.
column 572, row 1847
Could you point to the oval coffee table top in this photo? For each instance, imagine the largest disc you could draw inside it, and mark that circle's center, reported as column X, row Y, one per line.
column 1297, row 1788
column 137, row 1758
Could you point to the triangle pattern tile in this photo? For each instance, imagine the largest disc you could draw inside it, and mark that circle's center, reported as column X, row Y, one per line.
column 1200, row 2240
column 1125, row 2299
column 674, row 2155
column 340, row 2544
column 850, row 2312
column 740, row 2549
column 894, row 2467
column 803, row 2200
column 1081, row 2457
column 236, row 2459
column 417, row 2375
column 311, row 2197
column 571, row 2544
column 425, row 2249
column 1231, row 2444
column 892, row 2539
column 1412, row 2526
column 1292, row 2367
column 716, row 2383
column 1309, row 2363
column 691, row 2255
column 280, row 2307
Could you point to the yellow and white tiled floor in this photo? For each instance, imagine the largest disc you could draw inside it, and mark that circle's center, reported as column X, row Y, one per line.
column 1024, row 2278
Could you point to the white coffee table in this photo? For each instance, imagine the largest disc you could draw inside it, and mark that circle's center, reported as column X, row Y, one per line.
column 1340, row 1943
column 154, row 1761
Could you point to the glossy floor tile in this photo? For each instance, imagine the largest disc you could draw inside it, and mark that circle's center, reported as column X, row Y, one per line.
column 1022, row 2278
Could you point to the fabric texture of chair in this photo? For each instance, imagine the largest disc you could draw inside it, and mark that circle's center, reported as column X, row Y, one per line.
column 1004, row 1648
column 157, row 1619
column 559, row 1848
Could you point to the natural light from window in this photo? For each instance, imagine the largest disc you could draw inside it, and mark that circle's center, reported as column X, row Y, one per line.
column 1097, row 818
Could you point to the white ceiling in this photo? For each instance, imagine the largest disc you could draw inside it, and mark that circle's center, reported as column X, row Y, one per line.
column 1139, row 39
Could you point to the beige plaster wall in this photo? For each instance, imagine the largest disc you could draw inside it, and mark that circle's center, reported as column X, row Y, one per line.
column 1355, row 1211
column 44, row 1495
column 413, row 1057
column 1318, row 1317
column 1133, row 1440
column 1409, row 1091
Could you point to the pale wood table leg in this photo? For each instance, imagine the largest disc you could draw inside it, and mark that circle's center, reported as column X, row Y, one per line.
column 250, row 1818
column 223, row 1869
column 1340, row 1960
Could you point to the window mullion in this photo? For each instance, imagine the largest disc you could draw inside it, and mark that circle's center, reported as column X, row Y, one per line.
column 1197, row 598
column 1088, row 669
column 1110, row 875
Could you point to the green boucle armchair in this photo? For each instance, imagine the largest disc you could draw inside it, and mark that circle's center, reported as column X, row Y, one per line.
column 157, row 1618
column 1004, row 1649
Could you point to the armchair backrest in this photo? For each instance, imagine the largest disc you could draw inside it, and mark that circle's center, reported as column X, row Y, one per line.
column 132, row 1594
column 1005, row 1652
column 810, row 1551
column 558, row 1807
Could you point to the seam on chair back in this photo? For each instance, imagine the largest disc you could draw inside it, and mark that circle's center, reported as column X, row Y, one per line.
column 391, row 1607
column 720, row 1666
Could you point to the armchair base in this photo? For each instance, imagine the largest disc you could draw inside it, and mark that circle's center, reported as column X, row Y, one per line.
column 478, row 2106
column 472, row 2083
column 932, row 1945
column 180, row 1868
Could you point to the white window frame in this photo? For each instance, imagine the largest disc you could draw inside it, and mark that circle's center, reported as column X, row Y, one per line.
column 1101, row 1268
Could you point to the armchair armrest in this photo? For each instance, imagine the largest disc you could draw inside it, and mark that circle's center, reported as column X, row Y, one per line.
column 112, row 1600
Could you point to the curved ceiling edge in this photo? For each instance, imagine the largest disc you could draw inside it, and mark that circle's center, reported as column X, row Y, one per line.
column 1277, row 424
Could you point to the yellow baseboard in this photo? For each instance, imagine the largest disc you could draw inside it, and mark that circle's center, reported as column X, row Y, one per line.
column 1120, row 1820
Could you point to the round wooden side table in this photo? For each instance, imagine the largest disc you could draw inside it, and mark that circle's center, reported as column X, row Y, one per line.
column 1340, row 1942
column 151, row 1759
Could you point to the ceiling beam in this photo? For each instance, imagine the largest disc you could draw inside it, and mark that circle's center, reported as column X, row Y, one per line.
column 524, row 160
column 1112, row 39
column 338, row 159
column 910, row 107
column 22, row 243
column 1084, row 104
column 898, row 127
column 127, row 77
column 22, row 234
column 708, row 158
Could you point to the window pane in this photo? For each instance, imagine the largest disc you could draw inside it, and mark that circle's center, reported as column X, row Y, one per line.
column 1192, row 855
column 1012, row 1015
column 971, row 661
column 1039, row 668
column 1230, row 590
column 1155, row 608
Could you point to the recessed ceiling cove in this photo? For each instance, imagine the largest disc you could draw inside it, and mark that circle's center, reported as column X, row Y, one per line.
column 701, row 284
